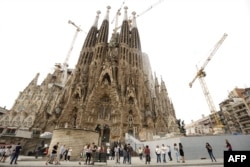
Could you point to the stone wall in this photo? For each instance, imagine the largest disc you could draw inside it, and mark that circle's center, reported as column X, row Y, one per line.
column 74, row 138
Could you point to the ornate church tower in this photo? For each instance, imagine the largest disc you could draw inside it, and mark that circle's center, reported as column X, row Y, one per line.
column 111, row 92
column 112, row 89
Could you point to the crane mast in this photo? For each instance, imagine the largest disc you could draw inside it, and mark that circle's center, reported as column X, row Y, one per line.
column 65, row 65
column 200, row 75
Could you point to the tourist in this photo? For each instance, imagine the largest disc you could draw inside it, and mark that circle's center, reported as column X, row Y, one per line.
column 125, row 154
column 163, row 153
column 88, row 155
column 93, row 152
column 158, row 154
column 83, row 154
column 181, row 153
column 169, row 153
column 69, row 153
column 62, row 149
column 147, row 155
column 108, row 152
column 129, row 151
column 7, row 153
column 53, row 156
column 176, row 151
column 117, row 154
column 113, row 153
column 210, row 151
column 16, row 154
column 65, row 153
column 228, row 146
column 140, row 152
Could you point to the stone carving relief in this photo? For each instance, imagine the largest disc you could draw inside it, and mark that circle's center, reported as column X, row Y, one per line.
column 130, row 119
column 115, row 131
column 106, row 74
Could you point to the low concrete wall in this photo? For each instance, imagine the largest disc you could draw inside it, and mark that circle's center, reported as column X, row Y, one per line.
column 194, row 147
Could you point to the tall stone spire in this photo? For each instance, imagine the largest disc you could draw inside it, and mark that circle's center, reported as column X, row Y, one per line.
column 134, row 20
column 97, row 18
column 125, row 13
column 124, row 39
column 34, row 80
column 91, row 37
column 104, row 29
column 135, row 37
column 107, row 13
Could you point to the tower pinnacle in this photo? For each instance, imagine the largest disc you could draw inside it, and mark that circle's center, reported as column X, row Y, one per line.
column 97, row 18
column 125, row 13
column 134, row 20
column 107, row 14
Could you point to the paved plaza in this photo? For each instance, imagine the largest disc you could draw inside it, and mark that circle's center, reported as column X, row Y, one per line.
column 25, row 161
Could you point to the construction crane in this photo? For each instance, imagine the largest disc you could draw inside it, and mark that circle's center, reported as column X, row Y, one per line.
column 130, row 19
column 200, row 75
column 65, row 65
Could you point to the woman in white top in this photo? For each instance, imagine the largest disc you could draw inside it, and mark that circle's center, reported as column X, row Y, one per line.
column 69, row 153
column 7, row 153
column 108, row 152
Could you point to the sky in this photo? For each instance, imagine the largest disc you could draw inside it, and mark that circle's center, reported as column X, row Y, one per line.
column 177, row 35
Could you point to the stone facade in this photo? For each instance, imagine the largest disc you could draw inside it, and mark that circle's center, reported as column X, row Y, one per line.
column 111, row 90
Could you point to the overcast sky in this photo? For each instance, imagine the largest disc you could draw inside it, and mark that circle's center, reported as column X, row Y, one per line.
column 176, row 34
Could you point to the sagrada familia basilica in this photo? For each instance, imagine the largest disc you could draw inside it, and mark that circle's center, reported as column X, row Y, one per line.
column 111, row 90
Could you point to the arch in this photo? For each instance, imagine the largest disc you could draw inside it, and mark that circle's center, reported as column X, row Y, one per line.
column 106, row 78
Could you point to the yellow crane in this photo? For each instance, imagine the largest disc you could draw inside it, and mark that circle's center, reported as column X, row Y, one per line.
column 200, row 75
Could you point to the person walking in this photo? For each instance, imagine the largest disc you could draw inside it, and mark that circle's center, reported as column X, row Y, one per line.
column 62, row 149
column 147, row 155
column 53, row 156
column 16, row 154
column 7, row 153
column 181, row 153
column 210, row 151
column 82, row 155
column 169, row 153
column 65, row 153
column 228, row 146
column 176, row 151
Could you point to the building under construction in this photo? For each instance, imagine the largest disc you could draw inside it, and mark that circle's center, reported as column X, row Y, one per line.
column 111, row 92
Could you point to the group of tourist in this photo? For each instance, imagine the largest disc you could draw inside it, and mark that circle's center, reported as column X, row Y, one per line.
column 11, row 152
column 92, row 153
column 161, row 153
column 64, row 154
